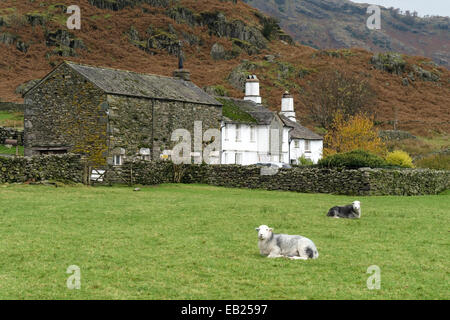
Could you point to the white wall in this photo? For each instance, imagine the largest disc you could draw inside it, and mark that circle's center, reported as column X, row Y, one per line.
column 252, row 151
column 316, row 149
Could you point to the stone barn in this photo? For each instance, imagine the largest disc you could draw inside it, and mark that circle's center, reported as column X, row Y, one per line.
column 110, row 115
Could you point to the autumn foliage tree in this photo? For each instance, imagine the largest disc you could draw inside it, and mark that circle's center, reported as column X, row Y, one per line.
column 356, row 133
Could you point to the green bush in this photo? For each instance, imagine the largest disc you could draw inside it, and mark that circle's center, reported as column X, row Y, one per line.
column 353, row 160
column 399, row 158
column 437, row 162
column 302, row 161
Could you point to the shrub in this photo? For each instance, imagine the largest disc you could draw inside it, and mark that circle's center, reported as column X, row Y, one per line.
column 302, row 161
column 399, row 158
column 437, row 162
column 353, row 159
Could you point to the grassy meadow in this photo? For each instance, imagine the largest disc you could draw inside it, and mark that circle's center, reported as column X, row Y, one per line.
column 198, row 242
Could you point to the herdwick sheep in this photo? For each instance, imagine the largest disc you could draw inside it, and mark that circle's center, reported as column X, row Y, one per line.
column 351, row 211
column 275, row 245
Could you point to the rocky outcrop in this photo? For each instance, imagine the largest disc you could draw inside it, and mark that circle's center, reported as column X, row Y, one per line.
column 7, row 38
column 390, row 62
column 158, row 39
column 424, row 75
column 238, row 75
column 62, row 37
column 65, row 42
column 36, row 19
column 217, row 52
column 117, row 5
column 10, row 39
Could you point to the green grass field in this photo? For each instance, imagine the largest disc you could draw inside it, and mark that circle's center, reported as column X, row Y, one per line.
column 199, row 242
column 11, row 119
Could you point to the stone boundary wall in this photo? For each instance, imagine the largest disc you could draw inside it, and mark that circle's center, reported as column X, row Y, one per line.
column 11, row 133
column 12, row 107
column 34, row 169
column 363, row 181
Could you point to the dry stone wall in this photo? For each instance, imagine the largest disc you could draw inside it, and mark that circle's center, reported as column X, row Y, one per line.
column 402, row 182
column 35, row 169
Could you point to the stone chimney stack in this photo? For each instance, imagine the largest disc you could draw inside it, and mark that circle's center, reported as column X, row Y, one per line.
column 287, row 107
column 182, row 73
column 252, row 89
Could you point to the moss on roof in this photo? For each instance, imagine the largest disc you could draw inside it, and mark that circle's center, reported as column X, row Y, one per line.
column 232, row 111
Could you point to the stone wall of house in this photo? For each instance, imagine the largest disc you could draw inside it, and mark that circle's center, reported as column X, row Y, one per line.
column 11, row 133
column 137, row 123
column 66, row 111
column 34, row 169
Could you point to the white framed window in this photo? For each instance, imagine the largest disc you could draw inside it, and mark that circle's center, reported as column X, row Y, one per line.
column 238, row 158
column 252, row 133
column 225, row 158
column 238, row 132
column 296, row 144
column 307, row 146
column 117, row 160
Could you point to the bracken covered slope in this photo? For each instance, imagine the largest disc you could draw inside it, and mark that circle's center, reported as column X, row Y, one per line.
column 222, row 41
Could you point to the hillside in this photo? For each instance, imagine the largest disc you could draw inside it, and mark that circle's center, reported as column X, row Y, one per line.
column 222, row 42
column 342, row 24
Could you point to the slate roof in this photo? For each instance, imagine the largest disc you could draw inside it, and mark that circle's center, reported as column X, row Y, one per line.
column 261, row 114
column 122, row 82
column 299, row 131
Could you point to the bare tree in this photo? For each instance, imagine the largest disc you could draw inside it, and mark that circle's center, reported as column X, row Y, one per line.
column 339, row 91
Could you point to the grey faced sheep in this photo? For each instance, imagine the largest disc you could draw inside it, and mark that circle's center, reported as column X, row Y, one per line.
column 275, row 245
column 351, row 211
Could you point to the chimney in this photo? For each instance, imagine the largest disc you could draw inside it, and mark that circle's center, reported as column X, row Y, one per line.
column 252, row 89
column 287, row 106
column 182, row 73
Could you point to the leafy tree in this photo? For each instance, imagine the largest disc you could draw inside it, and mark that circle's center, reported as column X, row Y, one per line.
column 356, row 133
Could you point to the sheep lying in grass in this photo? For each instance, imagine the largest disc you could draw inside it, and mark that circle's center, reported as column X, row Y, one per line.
column 351, row 211
column 275, row 245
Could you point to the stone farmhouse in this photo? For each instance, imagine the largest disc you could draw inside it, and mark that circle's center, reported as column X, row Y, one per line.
column 112, row 115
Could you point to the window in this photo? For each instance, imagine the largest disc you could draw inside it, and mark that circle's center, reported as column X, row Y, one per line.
column 225, row 158
column 296, row 144
column 252, row 133
column 226, row 132
column 117, row 160
column 238, row 158
column 307, row 146
column 238, row 132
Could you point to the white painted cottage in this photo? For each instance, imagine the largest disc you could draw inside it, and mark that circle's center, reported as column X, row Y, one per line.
column 251, row 133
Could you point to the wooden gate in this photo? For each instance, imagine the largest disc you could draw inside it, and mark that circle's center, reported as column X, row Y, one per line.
column 108, row 175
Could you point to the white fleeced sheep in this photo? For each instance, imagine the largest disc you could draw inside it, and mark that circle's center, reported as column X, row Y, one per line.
column 275, row 245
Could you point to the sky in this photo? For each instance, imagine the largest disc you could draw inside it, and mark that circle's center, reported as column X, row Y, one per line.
column 423, row 7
